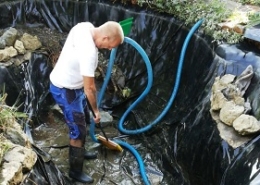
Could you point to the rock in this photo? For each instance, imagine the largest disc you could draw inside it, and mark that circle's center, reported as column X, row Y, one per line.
column 231, row 92
column 217, row 97
column 16, row 135
column 31, row 42
column 27, row 56
column 2, row 43
column 7, row 53
column 17, row 162
column 239, row 101
column 18, row 45
column 226, row 79
column 105, row 117
column 246, row 124
column 19, row 158
column 229, row 112
column 4, row 56
column 21, row 58
column 231, row 136
column 10, row 36
column 11, row 173
column 229, row 108
column 217, row 100
column 12, row 52
column 26, row 157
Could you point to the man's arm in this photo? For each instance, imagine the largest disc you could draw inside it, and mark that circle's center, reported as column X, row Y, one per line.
column 90, row 91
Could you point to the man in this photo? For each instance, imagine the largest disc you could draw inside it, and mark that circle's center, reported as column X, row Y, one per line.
column 72, row 80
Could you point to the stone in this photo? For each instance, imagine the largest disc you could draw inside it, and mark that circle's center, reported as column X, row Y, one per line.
column 231, row 92
column 27, row 55
column 105, row 117
column 231, row 136
column 7, row 53
column 10, row 36
column 2, row 43
column 217, row 97
column 217, row 100
column 18, row 45
column 227, row 79
column 12, row 52
column 4, row 56
column 16, row 135
column 23, row 155
column 20, row 158
column 11, row 173
column 31, row 42
column 246, row 124
column 229, row 108
column 229, row 112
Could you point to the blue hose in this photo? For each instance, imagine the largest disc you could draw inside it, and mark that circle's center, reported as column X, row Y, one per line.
column 138, row 158
column 141, row 97
column 177, row 82
column 102, row 91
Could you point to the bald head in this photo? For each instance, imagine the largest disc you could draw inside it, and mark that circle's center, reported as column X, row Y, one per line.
column 112, row 30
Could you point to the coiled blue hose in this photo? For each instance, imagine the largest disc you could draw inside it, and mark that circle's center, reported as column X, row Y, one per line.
column 145, row 92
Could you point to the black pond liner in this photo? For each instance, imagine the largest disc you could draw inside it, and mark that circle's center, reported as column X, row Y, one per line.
column 186, row 143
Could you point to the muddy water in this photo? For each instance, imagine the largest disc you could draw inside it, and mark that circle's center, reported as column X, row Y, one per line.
column 111, row 167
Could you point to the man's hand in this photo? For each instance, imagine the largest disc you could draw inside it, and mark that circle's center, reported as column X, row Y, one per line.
column 97, row 117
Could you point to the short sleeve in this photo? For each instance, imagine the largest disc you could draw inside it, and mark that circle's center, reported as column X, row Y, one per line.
column 86, row 52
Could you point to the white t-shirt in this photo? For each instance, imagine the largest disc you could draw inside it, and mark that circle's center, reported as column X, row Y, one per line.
column 78, row 58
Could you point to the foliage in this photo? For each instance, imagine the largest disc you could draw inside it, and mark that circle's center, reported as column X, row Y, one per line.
column 190, row 11
column 251, row 2
column 254, row 19
column 4, row 147
column 8, row 114
column 212, row 12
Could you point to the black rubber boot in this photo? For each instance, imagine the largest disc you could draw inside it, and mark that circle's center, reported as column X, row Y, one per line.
column 90, row 155
column 76, row 158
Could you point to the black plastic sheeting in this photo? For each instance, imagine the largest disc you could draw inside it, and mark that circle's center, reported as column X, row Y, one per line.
column 186, row 143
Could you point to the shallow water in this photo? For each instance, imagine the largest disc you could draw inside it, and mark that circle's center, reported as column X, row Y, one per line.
column 111, row 167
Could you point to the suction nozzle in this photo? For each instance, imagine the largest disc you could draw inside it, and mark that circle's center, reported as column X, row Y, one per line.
column 109, row 144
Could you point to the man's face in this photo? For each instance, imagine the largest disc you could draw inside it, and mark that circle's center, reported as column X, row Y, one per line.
column 106, row 43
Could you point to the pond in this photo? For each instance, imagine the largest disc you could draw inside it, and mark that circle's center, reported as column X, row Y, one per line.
column 185, row 146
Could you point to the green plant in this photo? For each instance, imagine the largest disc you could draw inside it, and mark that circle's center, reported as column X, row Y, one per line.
column 251, row 2
column 230, row 37
column 4, row 147
column 8, row 114
column 254, row 19
column 212, row 12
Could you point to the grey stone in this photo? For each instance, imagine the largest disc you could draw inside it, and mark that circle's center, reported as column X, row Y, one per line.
column 10, row 36
column 2, row 43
